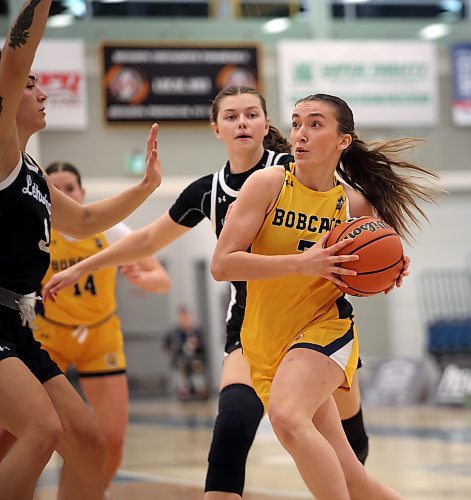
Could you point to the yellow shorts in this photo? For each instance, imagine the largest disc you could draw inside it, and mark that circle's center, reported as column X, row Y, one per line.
column 337, row 339
column 93, row 351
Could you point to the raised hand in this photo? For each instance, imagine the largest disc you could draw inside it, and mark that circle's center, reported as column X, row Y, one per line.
column 321, row 261
column 153, row 177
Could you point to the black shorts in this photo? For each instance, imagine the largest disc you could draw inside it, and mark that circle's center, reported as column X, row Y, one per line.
column 232, row 341
column 17, row 341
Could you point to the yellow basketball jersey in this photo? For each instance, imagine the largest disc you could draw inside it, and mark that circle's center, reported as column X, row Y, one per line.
column 90, row 300
column 279, row 310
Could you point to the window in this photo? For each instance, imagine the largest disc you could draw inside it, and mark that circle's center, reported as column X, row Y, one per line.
column 450, row 10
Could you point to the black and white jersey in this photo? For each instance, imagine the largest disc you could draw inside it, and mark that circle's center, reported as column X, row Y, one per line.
column 25, row 214
column 210, row 197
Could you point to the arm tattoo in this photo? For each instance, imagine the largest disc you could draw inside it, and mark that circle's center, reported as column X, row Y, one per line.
column 19, row 31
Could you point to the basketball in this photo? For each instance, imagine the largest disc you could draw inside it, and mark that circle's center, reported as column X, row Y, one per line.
column 380, row 250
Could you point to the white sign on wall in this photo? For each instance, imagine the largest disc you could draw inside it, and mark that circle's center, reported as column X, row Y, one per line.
column 390, row 84
column 461, row 64
column 59, row 66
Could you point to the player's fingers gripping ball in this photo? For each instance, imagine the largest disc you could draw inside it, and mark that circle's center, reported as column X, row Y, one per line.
column 380, row 250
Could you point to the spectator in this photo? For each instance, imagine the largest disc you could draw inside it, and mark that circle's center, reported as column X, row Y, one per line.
column 185, row 345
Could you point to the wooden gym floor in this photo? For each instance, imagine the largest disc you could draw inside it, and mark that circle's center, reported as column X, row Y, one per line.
column 423, row 452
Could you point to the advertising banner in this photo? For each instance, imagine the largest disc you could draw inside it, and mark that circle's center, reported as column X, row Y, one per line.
column 388, row 84
column 145, row 83
column 59, row 66
column 461, row 64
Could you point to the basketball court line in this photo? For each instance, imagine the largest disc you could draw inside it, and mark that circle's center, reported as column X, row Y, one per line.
column 50, row 476
column 138, row 476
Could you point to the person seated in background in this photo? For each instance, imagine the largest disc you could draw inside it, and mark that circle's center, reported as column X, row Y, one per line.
column 185, row 345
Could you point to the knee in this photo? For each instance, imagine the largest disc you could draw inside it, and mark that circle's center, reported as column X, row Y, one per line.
column 44, row 435
column 114, row 439
column 240, row 412
column 285, row 424
column 52, row 429
column 91, row 438
column 83, row 436
column 355, row 431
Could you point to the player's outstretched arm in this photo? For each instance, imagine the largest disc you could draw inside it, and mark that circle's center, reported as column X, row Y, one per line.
column 134, row 247
column 81, row 221
column 17, row 57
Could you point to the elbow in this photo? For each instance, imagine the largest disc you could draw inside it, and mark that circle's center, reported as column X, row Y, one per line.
column 165, row 285
column 81, row 227
column 217, row 270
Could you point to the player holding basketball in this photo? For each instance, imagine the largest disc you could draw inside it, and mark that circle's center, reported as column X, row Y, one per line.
column 298, row 333
column 239, row 119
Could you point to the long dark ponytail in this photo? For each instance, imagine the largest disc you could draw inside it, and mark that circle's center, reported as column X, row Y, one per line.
column 393, row 186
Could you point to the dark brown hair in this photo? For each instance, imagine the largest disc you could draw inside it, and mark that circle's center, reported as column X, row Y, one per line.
column 394, row 187
column 274, row 139
column 64, row 166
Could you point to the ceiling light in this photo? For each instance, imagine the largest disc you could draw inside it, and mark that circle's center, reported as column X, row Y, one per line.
column 433, row 31
column 276, row 25
column 76, row 7
column 452, row 5
column 60, row 21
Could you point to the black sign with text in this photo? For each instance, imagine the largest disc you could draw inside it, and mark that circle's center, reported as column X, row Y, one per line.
column 146, row 84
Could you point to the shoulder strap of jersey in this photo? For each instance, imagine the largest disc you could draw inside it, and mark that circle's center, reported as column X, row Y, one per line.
column 278, row 160
column 270, row 157
column 31, row 164
column 212, row 212
column 289, row 167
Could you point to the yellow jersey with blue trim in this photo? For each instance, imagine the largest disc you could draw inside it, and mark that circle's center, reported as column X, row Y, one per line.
column 92, row 298
column 279, row 310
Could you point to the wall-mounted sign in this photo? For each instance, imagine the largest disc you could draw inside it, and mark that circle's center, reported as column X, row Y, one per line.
column 461, row 63
column 145, row 83
column 390, row 84
column 59, row 66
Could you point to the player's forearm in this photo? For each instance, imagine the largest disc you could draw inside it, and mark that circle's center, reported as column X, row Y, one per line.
column 24, row 36
column 243, row 266
column 131, row 248
column 104, row 214
column 155, row 281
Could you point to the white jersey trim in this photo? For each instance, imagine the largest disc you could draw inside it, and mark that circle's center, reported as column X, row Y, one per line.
column 348, row 205
column 231, row 302
column 118, row 232
column 12, row 175
column 271, row 154
column 112, row 235
column 30, row 164
column 212, row 214
column 277, row 158
column 224, row 186
column 271, row 160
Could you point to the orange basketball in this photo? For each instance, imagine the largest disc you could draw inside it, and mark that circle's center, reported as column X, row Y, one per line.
column 380, row 250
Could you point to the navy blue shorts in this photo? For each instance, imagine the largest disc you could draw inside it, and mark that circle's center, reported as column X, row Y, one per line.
column 17, row 341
